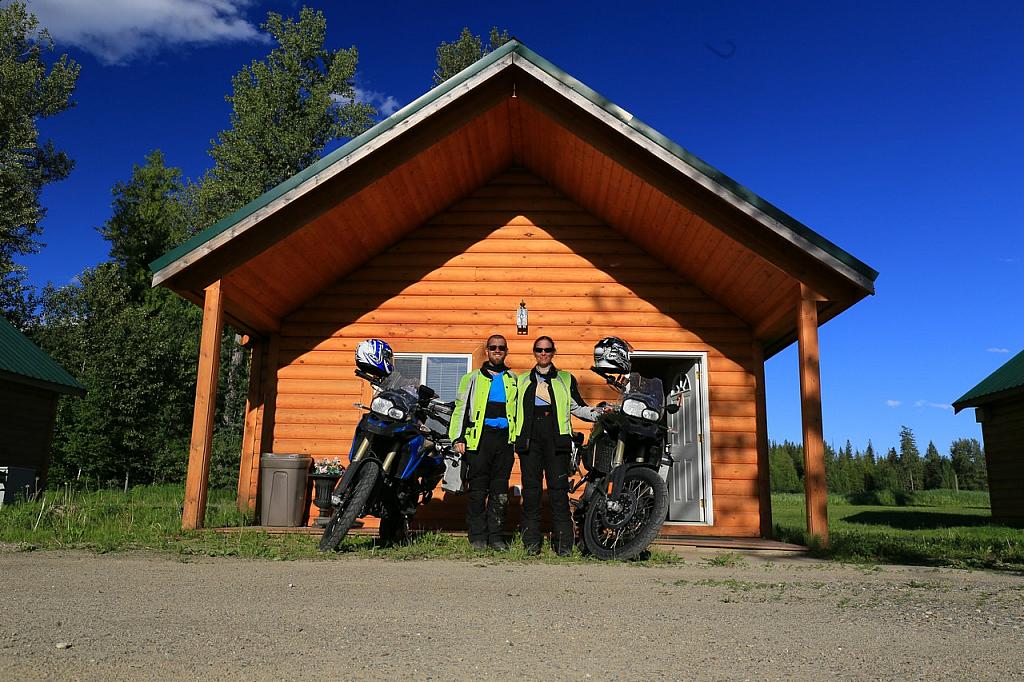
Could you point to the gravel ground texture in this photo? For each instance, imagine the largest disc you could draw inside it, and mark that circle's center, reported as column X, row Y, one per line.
column 77, row 615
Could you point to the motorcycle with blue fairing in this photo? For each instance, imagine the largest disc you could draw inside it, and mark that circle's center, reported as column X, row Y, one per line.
column 625, row 499
column 396, row 458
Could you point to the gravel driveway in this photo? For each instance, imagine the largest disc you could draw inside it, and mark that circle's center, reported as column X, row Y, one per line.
column 73, row 615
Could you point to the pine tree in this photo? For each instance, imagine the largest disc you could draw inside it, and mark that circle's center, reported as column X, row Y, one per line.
column 932, row 468
column 910, row 466
column 782, row 473
column 147, row 221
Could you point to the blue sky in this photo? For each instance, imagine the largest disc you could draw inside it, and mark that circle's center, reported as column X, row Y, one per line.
column 893, row 129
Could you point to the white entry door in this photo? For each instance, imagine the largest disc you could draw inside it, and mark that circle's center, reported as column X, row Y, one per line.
column 685, row 446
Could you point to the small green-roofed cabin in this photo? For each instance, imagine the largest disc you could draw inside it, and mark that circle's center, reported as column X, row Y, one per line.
column 31, row 383
column 515, row 182
column 998, row 403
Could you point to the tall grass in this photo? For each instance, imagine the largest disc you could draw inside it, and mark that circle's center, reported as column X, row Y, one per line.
column 149, row 518
column 932, row 527
column 146, row 517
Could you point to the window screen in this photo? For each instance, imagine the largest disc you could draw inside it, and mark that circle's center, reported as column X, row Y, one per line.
column 444, row 373
column 441, row 372
column 410, row 366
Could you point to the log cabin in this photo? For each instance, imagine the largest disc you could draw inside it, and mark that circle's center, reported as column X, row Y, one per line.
column 31, row 384
column 998, row 402
column 515, row 183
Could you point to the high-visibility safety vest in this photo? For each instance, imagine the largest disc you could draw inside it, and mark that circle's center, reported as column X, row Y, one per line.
column 472, row 402
column 561, row 386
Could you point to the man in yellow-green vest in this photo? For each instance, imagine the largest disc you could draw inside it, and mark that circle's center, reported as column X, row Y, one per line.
column 547, row 397
column 485, row 417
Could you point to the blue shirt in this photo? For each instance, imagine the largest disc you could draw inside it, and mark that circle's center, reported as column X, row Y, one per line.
column 497, row 395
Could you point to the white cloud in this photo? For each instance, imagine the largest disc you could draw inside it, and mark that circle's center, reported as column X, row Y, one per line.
column 893, row 403
column 385, row 104
column 937, row 406
column 997, row 350
column 117, row 31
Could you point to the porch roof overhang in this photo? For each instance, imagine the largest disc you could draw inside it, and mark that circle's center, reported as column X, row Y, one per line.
column 515, row 108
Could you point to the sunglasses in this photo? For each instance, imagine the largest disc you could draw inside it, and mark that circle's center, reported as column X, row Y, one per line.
column 538, row 349
column 496, row 347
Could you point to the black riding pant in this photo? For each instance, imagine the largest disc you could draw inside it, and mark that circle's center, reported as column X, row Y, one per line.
column 490, row 465
column 544, row 460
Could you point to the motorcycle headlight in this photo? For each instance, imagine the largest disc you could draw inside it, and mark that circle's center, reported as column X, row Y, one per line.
column 637, row 408
column 385, row 407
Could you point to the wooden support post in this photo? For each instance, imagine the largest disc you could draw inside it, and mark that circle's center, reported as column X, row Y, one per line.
column 268, row 413
column 265, row 416
column 198, row 478
column 250, row 434
column 764, row 486
column 815, row 488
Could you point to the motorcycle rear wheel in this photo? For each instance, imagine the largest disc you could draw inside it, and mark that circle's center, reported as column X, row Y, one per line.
column 608, row 534
column 347, row 512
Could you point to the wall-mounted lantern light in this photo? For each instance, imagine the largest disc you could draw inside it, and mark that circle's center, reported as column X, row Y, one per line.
column 522, row 319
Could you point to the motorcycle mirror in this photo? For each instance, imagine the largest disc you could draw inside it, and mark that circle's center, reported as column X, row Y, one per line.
column 672, row 408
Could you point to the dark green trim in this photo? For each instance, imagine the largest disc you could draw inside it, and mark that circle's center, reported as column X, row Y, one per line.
column 22, row 361
column 547, row 67
column 1006, row 378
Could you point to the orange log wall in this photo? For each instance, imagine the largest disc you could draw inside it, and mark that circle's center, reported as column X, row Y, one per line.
column 455, row 280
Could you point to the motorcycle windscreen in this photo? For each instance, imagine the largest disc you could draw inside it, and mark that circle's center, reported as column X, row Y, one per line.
column 650, row 391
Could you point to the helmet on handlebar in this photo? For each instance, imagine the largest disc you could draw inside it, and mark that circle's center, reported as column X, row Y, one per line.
column 375, row 357
column 612, row 353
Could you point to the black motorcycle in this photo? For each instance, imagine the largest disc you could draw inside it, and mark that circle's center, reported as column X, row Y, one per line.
column 397, row 460
column 625, row 501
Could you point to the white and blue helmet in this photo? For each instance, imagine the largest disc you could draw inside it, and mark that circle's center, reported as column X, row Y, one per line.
column 375, row 357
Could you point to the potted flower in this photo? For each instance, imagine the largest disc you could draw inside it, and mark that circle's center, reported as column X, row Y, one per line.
column 326, row 473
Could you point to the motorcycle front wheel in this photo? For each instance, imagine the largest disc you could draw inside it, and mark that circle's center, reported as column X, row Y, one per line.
column 623, row 527
column 346, row 513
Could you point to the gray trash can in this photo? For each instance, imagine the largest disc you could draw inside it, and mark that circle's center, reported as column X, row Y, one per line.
column 283, row 489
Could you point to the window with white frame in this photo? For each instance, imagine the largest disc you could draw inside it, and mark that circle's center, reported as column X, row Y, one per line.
column 440, row 371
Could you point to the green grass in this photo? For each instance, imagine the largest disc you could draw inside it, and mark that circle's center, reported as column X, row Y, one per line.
column 148, row 518
column 933, row 527
column 939, row 528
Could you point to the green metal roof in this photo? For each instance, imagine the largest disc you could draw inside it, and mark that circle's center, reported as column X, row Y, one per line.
column 26, row 360
column 523, row 52
column 1007, row 377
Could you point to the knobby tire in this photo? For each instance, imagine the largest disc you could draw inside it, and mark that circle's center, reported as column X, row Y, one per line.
column 596, row 535
column 347, row 512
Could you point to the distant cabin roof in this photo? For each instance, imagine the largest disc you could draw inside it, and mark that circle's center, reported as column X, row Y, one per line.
column 1008, row 378
column 499, row 112
column 22, row 361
